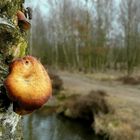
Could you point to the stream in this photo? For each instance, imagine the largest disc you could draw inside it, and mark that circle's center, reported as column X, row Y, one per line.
column 56, row 127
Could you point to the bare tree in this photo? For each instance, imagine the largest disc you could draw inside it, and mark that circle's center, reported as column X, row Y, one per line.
column 130, row 25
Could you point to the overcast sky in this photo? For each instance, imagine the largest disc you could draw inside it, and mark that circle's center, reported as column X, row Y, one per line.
column 44, row 5
column 44, row 8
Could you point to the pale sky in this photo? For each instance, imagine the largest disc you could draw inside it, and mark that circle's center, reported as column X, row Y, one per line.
column 44, row 5
column 44, row 8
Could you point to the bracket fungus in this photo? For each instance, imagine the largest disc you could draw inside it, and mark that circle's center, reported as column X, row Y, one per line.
column 28, row 85
column 23, row 23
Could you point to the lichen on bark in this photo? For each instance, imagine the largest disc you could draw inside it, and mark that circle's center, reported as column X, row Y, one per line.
column 13, row 44
column 9, row 8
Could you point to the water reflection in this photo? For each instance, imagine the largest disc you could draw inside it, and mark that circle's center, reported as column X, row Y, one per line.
column 54, row 127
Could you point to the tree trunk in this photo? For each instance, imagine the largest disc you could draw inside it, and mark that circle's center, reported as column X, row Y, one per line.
column 12, row 45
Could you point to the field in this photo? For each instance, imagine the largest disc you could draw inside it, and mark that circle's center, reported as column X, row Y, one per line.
column 124, row 99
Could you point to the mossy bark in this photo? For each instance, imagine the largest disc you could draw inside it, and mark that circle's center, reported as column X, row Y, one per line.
column 13, row 44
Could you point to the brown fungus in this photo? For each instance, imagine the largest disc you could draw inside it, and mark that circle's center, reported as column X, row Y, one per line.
column 28, row 85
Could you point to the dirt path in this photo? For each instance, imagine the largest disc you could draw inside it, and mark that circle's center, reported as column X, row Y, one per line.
column 82, row 84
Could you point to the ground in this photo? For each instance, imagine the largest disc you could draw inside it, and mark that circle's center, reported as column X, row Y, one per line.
column 125, row 99
column 81, row 83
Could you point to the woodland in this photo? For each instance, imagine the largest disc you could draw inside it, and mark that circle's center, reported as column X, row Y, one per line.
column 88, row 35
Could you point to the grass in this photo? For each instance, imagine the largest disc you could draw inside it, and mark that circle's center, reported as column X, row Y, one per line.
column 130, row 80
column 122, row 124
column 86, row 106
column 111, row 116
column 116, row 117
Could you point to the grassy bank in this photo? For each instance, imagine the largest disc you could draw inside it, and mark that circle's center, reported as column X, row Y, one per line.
column 122, row 124
column 107, row 115
column 113, row 112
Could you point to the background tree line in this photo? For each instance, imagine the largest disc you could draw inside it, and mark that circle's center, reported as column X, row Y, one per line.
column 88, row 35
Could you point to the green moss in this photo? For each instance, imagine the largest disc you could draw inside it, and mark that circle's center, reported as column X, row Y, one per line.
column 9, row 8
column 19, row 49
column 13, row 42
